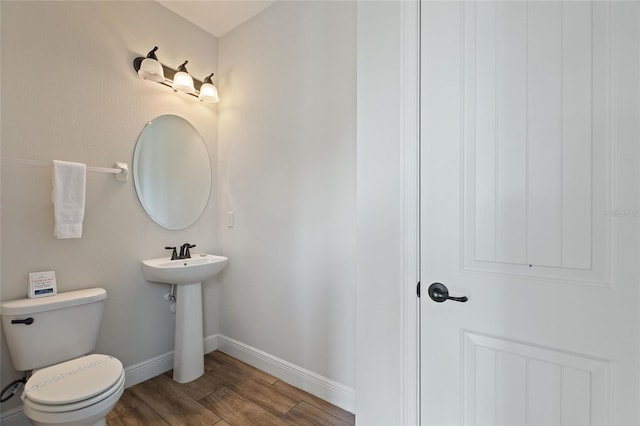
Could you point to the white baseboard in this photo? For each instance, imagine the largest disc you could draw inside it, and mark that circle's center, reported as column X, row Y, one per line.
column 153, row 367
column 14, row 417
column 322, row 387
column 211, row 343
column 148, row 369
column 315, row 384
column 134, row 374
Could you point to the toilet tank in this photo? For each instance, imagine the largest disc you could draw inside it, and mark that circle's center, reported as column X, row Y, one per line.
column 64, row 326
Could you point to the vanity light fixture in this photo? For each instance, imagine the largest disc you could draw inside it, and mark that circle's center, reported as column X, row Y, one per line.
column 149, row 68
column 208, row 92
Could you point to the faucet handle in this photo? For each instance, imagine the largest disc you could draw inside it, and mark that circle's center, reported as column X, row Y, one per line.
column 174, row 254
column 188, row 246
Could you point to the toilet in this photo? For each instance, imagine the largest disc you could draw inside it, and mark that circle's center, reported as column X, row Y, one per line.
column 52, row 336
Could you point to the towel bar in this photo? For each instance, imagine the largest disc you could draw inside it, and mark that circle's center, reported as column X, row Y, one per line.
column 121, row 170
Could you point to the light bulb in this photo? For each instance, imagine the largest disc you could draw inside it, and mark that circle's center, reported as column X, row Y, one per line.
column 150, row 68
column 208, row 92
column 182, row 81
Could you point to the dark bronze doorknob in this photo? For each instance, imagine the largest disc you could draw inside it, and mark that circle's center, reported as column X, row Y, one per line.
column 439, row 292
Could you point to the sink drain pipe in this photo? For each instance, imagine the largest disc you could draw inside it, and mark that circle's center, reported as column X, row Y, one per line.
column 171, row 297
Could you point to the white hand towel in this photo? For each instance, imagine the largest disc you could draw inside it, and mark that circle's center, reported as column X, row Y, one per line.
column 69, row 183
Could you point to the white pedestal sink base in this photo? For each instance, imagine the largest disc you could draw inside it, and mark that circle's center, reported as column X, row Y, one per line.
column 188, row 361
column 187, row 274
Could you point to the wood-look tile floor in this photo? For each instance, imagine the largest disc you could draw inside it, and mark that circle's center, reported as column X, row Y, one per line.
column 229, row 393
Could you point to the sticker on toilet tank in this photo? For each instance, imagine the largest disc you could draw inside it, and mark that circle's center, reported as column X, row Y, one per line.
column 42, row 284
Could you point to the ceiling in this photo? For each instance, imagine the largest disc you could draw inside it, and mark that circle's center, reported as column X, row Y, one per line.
column 217, row 17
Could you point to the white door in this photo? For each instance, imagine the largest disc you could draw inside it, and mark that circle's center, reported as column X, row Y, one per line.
column 530, row 208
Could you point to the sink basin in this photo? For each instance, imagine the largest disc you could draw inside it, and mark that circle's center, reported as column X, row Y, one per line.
column 198, row 268
column 188, row 357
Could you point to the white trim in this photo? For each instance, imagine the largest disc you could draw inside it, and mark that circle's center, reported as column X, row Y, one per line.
column 410, row 142
column 211, row 343
column 160, row 364
column 322, row 387
column 315, row 384
column 145, row 370
column 14, row 417
column 134, row 374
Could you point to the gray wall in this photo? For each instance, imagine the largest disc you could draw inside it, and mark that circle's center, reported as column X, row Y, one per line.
column 287, row 153
column 70, row 93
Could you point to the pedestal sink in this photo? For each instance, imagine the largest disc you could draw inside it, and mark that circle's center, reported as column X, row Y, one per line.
column 187, row 274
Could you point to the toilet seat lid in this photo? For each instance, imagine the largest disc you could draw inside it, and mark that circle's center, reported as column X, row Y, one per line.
column 74, row 380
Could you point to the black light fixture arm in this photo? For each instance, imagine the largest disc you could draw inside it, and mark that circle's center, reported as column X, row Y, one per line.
column 183, row 67
column 152, row 54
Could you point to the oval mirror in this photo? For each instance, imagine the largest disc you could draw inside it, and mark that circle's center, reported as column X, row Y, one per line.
column 172, row 172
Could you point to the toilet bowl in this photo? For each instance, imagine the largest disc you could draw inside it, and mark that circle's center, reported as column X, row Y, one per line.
column 52, row 336
column 79, row 392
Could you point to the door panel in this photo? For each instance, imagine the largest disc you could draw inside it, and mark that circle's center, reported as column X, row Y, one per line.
column 532, row 182
column 513, row 383
column 529, row 206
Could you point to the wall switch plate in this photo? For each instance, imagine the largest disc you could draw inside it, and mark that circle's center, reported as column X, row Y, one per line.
column 229, row 219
